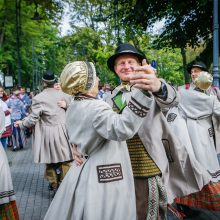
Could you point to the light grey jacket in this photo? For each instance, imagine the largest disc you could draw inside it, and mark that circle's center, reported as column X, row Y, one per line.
column 212, row 91
column 50, row 139
column 191, row 121
column 102, row 188
column 181, row 174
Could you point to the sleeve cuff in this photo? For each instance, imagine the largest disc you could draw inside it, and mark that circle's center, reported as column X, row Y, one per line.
column 162, row 93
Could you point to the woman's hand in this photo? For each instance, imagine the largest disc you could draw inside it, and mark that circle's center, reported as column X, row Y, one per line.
column 77, row 157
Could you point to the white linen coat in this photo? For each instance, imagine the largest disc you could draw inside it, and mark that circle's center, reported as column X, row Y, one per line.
column 191, row 121
column 181, row 173
column 50, row 139
column 102, row 188
column 7, row 193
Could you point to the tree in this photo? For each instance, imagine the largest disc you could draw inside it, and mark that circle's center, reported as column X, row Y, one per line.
column 187, row 23
column 38, row 38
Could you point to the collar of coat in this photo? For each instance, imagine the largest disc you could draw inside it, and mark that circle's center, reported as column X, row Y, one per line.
column 80, row 97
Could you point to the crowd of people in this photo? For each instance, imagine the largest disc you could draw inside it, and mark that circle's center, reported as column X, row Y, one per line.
column 136, row 151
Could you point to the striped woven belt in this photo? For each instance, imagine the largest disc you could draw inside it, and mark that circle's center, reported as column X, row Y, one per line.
column 142, row 163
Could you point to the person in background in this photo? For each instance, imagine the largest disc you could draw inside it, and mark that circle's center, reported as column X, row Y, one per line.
column 108, row 90
column 57, row 85
column 195, row 121
column 50, row 140
column 194, row 70
column 8, row 131
column 101, row 92
column 17, row 113
column 8, row 207
column 25, row 99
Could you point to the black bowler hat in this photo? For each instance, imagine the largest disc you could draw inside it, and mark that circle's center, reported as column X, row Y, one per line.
column 198, row 64
column 121, row 50
column 48, row 77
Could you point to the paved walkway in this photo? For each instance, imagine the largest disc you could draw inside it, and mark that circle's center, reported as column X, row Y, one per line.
column 33, row 196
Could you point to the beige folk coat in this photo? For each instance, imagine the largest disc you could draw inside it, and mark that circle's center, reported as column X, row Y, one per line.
column 212, row 91
column 192, row 122
column 50, row 139
column 102, row 188
column 181, row 174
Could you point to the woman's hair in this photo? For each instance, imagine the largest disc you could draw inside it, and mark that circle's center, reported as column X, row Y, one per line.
column 47, row 85
column 4, row 97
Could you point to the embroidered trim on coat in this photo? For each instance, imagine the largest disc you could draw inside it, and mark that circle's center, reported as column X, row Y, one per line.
column 109, row 173
column 7, row 194
column 214, row 175
column 137, row 108
column 81, row 97
column 171, row 117
column 211, row 132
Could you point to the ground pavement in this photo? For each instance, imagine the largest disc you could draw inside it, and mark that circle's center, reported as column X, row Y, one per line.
column 33, row 197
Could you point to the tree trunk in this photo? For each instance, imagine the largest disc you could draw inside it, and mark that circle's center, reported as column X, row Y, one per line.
column 186, row 75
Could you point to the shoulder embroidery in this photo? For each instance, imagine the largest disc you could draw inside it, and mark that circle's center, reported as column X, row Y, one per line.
column 171, row 117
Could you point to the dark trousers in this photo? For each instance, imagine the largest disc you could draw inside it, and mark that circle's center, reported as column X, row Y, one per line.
column 16, row 131
column 141, row 192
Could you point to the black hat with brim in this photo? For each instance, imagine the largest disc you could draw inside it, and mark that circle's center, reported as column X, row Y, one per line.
column 123, row 49
column 198, row 64
column 48, row 77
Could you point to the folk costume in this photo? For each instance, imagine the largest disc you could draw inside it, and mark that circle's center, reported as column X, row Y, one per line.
column 160, row 163
column 8, row 208
column 50, row 140
column 212, row 90
column 196, row 123
column 147, row 174
column 8, row 131
column 103, row 187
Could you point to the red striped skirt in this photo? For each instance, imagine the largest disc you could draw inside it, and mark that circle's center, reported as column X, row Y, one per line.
column 207, row 198
column 9, row 211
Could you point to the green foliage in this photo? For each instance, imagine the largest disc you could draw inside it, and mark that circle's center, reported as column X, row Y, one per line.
column 95, row 28
column 169, row 64
column 38, row 39
column 187, row 23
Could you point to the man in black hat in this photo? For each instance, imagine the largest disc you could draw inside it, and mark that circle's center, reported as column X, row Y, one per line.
column 196, row 124
column 194, row 70
column 50, row 140
column 155, row 152
column 147, row 170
